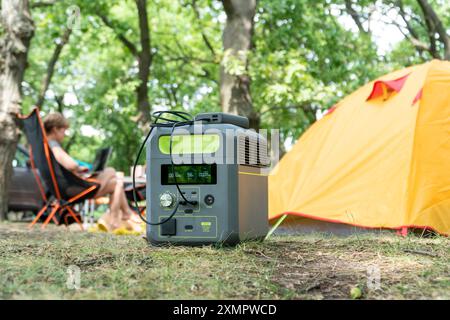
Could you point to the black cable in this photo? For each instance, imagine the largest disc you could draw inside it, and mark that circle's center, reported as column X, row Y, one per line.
column 178, row 124
column 158, row 115
column 139, row 212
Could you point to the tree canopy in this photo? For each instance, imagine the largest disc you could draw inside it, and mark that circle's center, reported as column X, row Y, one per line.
column 305, row 55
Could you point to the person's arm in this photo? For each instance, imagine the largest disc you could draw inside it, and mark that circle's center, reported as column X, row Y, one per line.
column 64, row 159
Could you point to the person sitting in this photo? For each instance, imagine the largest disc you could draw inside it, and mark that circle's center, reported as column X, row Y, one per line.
column 55, row 126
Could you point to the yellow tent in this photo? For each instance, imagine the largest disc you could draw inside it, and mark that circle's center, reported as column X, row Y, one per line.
column 379, row 159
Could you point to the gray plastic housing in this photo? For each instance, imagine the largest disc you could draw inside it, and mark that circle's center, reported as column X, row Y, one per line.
column 240, row 208
column 223, row 118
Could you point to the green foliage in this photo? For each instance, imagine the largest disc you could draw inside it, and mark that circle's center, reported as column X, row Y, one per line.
column 304, row 61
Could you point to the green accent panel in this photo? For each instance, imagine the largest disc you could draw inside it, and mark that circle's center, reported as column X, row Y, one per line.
column 206, row 226
column 209, row 224
column 188, row 144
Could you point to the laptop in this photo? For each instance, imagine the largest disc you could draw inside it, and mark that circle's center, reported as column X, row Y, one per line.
column 101, row 158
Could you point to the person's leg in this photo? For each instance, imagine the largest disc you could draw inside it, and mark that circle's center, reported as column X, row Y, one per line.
column 119, row 194
column 114, row 206
column 127, row 212
column 130, row 219
column 107, row 181
column 109, row 185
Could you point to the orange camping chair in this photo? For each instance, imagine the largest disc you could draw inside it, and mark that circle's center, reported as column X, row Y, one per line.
column 65, row 188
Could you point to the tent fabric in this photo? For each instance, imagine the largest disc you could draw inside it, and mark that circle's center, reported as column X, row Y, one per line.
column 382, row 163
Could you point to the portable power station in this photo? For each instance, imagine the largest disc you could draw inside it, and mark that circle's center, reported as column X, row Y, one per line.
column 206, row 182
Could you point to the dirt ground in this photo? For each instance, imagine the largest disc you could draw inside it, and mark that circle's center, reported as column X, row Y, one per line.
column 34, row 264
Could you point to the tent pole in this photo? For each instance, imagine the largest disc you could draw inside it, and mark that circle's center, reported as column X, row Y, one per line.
column 272, row 230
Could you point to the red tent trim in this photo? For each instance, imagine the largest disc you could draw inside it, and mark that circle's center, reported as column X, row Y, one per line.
column 418, row 96
column 399, row 228
column 382, row 87
column 331, row 110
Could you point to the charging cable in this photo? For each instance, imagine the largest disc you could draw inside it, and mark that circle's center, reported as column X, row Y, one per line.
column 186, row 119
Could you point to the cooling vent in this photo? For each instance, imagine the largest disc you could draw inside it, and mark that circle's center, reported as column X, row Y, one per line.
column 252, row 150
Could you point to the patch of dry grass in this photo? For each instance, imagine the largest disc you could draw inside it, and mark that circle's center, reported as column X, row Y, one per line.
column 34, row 265
column 328, row 267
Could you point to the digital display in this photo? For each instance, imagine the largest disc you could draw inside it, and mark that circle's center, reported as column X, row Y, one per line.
column 190, row 144
column 189, row 174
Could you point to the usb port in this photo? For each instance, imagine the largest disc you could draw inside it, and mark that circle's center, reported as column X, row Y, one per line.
column 188, row 227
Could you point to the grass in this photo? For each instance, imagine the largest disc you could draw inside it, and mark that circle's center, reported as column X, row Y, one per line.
column 34, row 265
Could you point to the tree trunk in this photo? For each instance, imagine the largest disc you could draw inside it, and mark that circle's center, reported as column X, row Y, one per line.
column 144, row 57
column 18, row 30
column 355, row 16
column 51, row 67
column 144, row 61
column 435, row 25
column 235, row 94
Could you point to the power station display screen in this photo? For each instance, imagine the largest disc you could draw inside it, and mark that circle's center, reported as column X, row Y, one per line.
column 189, row 144
column 189, row 174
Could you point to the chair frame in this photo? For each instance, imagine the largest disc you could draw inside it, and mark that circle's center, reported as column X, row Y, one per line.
column 56, row 203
